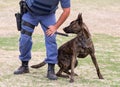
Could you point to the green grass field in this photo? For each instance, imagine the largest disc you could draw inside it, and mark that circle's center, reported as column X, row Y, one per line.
column 102, row 18
column 107, row 52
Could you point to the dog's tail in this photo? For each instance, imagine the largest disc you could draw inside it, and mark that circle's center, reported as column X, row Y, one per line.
column 38, row 65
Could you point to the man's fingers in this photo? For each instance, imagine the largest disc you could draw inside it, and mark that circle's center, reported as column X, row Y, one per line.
column 49, row 33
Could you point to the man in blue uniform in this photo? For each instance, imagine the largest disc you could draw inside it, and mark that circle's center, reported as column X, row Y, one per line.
column 43, row 12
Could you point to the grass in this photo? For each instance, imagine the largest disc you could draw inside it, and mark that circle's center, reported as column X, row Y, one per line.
column 107, row 52
column 8, row 43
column 11, row 43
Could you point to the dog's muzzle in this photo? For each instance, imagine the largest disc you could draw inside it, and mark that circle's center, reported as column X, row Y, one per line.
column 68, row 30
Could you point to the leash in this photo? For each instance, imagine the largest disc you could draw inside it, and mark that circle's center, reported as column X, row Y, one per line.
column 59, row 33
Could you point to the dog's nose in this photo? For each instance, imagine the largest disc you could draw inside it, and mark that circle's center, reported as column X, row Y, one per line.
column 65, row 29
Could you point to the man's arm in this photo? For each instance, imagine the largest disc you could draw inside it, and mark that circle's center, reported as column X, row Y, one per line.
column 53, row 28
column 63, row 17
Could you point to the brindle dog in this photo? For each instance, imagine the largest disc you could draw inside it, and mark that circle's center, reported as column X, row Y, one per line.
column 80, row 46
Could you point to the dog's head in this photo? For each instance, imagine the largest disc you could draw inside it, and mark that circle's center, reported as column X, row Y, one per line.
column 75, row 26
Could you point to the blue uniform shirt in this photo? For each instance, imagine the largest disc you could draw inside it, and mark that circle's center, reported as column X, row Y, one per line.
column 65, row 3
column 45, row 7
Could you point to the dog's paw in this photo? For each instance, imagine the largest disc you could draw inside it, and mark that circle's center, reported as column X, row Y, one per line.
column 75, row 74
column 101, row 77
column 71, row 80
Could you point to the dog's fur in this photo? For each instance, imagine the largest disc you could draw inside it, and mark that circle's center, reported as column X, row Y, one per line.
column 80, row 47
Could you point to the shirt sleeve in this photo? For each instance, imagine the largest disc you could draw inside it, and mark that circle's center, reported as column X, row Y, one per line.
column 65, row 3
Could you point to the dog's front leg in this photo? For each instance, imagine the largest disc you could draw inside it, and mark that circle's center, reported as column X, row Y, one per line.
column 96, row 66
column 72, row 67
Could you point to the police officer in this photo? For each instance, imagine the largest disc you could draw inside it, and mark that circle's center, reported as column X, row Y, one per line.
column 43, row 12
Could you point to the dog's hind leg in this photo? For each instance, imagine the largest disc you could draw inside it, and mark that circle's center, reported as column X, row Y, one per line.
column 96, row 65
column 59, row 73
column 67, row 72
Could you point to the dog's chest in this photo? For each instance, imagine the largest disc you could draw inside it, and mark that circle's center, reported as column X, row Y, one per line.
column 82, row 46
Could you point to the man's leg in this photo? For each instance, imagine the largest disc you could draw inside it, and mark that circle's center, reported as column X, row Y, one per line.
column 25, row 42
column 51, row 46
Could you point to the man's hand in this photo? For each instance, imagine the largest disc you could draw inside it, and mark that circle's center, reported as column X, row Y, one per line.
column 51, row 30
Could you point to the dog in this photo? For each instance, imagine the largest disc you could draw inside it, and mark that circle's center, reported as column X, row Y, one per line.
column 79, row 47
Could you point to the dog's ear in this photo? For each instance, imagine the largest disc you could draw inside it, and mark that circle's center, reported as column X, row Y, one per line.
column 79, row 19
